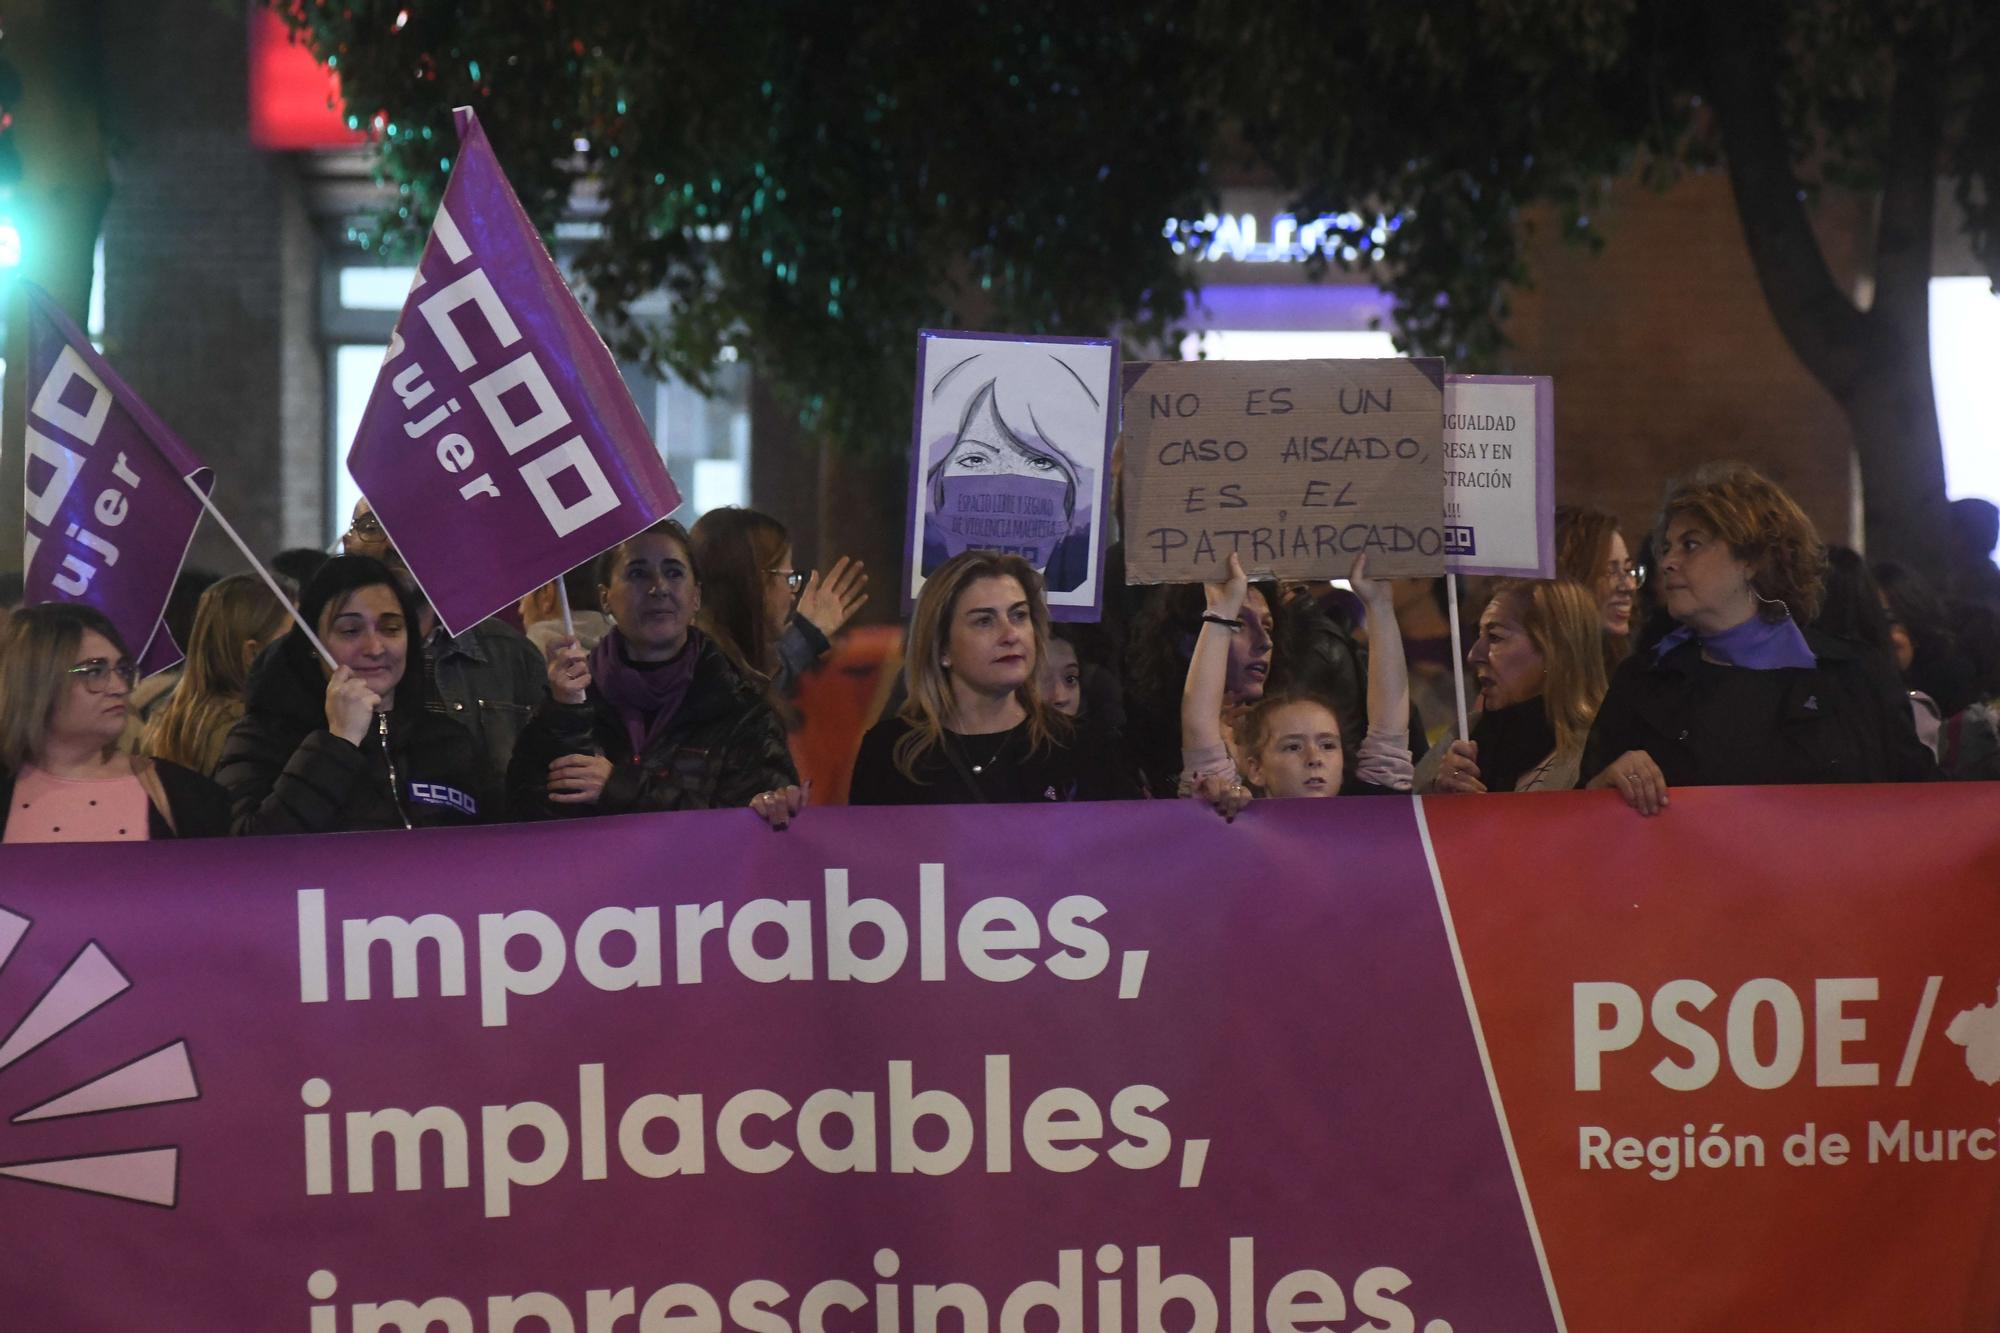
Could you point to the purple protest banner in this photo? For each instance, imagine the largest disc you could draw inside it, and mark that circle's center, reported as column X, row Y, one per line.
column 500, row 447
column 1120, row 1065
column 110, row 513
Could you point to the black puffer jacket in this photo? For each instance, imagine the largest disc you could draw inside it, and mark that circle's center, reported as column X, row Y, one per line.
column 285, row 772
column 1845, row 719
column 724, row 745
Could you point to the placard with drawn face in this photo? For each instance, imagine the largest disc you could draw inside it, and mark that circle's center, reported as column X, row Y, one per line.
column 1012, row 454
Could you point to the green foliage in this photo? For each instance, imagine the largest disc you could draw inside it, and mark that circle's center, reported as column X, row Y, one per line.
column 1464, row 114
column 812, row 183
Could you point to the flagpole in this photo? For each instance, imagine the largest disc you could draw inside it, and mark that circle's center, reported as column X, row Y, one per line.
column 562, row 596
column 262, row 573
column 1457, row 657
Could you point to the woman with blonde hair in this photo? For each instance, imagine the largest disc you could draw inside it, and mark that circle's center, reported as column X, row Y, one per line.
column 1738, row 694
column 975, row 728
column 233, row 621
column 1538, row 665
column 65, row 682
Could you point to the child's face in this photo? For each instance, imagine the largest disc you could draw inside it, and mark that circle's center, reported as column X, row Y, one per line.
column 1301, row 754
column 1062, row 678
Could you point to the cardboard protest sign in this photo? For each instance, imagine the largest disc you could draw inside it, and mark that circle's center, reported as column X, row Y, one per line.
column 1297, row 466
column 500, row 447
column 109, row 512
column 1011, row 453
column 1499, row 475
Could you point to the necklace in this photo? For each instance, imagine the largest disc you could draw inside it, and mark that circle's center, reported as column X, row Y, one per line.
column 993, row 758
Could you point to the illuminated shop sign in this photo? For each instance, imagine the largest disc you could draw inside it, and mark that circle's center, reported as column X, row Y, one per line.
column 1285, row 239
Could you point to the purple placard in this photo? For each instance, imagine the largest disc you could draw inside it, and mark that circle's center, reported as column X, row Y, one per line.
column 109, row 515
column 1040, row 417
column 500, row 447
column 1099, row 1058
column 1462, row 553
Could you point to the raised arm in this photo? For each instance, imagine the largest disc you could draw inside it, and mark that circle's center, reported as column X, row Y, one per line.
column 1208, row 669
column 1207, row 771
column 1383, row 756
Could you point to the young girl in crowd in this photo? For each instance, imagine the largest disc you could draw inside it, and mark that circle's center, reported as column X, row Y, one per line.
column 656, row 717
column 235, row 618
column 328, row 750
column 975, row 727
column 1538, row 665
column 1062, row 675
column 778, row 620
column 1236, row 739
column 65, row 679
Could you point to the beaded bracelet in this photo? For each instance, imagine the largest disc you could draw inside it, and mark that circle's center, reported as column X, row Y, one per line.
column 1231, row 625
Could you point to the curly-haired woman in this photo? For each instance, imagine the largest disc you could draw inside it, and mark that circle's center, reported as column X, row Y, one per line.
column 1738, row 694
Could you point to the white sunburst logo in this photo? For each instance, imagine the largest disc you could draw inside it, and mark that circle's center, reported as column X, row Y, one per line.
column 154, row 1078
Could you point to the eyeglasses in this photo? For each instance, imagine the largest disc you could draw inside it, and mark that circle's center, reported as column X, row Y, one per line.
column 95, row 674
column 795, row 579
column 368, row 526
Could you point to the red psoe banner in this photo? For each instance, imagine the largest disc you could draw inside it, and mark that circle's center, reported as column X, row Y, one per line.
column 1749, row 1050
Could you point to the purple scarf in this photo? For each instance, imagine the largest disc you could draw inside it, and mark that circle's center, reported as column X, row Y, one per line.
column 637, row 694
column 1757, row 644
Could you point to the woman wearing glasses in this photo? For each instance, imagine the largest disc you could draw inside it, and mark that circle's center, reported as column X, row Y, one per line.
column 322, row 750
column 65, row 677
column 776, row 619
column 1591, row 551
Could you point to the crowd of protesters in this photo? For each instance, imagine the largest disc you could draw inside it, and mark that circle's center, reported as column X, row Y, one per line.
column 1726, row 646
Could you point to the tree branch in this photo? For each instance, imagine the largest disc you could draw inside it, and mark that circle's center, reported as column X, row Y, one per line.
column 1824, row 329
column 1905, row 238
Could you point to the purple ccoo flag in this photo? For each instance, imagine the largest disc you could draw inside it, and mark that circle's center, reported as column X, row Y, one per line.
column 501, row 447
column 109, row 511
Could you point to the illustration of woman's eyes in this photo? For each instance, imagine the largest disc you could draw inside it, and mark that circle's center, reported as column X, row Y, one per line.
column 1041, row 462
column 975, row 458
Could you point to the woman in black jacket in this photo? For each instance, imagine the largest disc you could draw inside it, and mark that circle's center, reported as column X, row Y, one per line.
column 973, row 727
column 321, row 751
column 1738, row 694
column 657, row 716
column 65, row 680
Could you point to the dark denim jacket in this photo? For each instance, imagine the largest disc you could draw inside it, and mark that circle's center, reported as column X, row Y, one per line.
column 489, row 679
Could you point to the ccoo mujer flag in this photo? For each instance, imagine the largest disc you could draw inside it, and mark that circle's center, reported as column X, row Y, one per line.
column 110, row 513
column 500, row 447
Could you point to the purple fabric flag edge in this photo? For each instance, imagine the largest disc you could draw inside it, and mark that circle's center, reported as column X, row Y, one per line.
column 159, row 652
column 157, row 432
column 575, row 324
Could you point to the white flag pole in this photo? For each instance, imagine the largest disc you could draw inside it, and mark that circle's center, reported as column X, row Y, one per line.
column 262, row 572
column 1457, row 657
column 562, row 596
